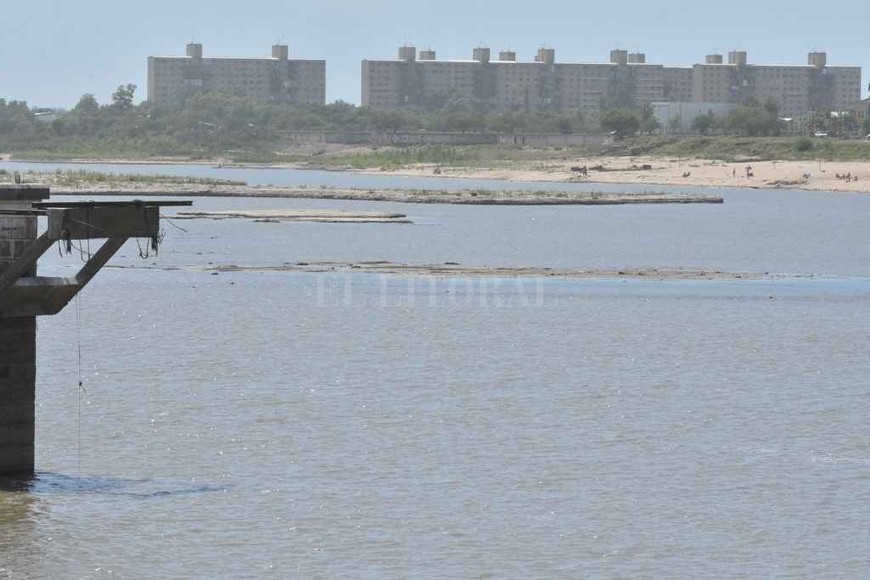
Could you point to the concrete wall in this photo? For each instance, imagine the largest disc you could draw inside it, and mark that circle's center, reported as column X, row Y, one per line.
column 432, row 138
column 17, row 342
column 552, row 139
column 439, row 138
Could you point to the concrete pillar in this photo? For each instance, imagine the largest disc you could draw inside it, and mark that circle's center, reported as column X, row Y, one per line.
column 17, row 341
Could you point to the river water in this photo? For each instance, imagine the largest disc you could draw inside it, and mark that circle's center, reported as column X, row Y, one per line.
column 267, row 424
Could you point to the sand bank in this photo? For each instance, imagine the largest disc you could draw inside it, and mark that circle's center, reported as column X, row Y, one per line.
column 308, row 215
column 811, row 175
column 452, row 269
column 467, row 197
column 690, row 173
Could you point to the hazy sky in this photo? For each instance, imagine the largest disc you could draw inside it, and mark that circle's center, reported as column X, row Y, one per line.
column 53, row 51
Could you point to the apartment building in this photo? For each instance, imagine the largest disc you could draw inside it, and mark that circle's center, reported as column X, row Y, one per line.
column 797, row 89
column 278, row 79
column 627, row 80
column 861, row 112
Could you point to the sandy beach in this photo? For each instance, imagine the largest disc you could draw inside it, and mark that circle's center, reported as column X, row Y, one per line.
column 812, row 175
column 806, row 175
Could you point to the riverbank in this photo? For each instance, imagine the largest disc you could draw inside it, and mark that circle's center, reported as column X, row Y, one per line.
column 560, row 166
column 833, row 176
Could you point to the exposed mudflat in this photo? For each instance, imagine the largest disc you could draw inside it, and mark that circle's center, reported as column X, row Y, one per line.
column 306, row 215
column 467, row 197
column 452, row 269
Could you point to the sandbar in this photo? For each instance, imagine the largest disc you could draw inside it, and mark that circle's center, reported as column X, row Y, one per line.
column 453, row 269
column 299, row 215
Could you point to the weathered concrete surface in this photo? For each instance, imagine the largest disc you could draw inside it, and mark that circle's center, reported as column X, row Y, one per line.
column 17, row 394
column 17, row 341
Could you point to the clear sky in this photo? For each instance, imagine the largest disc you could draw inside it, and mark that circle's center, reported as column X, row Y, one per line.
column 53, row 51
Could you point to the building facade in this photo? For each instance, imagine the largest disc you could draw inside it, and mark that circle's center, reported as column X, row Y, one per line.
column 797, row 89
column 278, row 79
column 627, row 80
column 861, row 112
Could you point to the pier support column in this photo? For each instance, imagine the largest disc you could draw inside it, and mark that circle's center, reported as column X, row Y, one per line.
column 17, row 339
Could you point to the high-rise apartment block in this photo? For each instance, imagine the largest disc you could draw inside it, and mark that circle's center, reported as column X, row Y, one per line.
column 507, row 84
column 278, row 79
column 797, row 89
column 627, row 80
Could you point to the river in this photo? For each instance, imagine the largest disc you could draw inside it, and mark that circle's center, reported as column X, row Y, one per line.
column 271, row 425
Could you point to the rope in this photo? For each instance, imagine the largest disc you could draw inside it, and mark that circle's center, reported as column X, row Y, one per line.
column 152, row 246
column 84, row 250
column 173, row 224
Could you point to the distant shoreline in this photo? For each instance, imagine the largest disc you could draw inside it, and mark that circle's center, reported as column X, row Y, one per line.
column 820, row 176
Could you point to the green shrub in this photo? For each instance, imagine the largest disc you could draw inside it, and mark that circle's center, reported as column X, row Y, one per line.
column 803, row 145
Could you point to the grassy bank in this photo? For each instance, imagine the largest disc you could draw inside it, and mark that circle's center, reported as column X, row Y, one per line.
column 728, row 149
column 84, row 178
column 396, row 157
column 733, row 149
column 331, row 156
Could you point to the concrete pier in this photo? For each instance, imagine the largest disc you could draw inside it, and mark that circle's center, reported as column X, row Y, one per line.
column 17, row 338
column 24, row 295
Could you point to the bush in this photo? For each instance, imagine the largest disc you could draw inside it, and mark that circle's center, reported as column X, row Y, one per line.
column 803, row 145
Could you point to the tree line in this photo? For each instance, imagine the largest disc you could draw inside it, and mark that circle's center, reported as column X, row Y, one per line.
column 210, row 124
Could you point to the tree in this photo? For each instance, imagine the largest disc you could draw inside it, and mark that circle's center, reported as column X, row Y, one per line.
column 648, row 122
column 771, row 107
column 87, row 105
column 865, row 126
column 463, row 122
column 458, row 104
column 753, row 120
column 509, row 122
column 17, row 122
column 122, row 98
column 704, row 123
column 390, row 120
column 621, row 122
column 83, row 117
